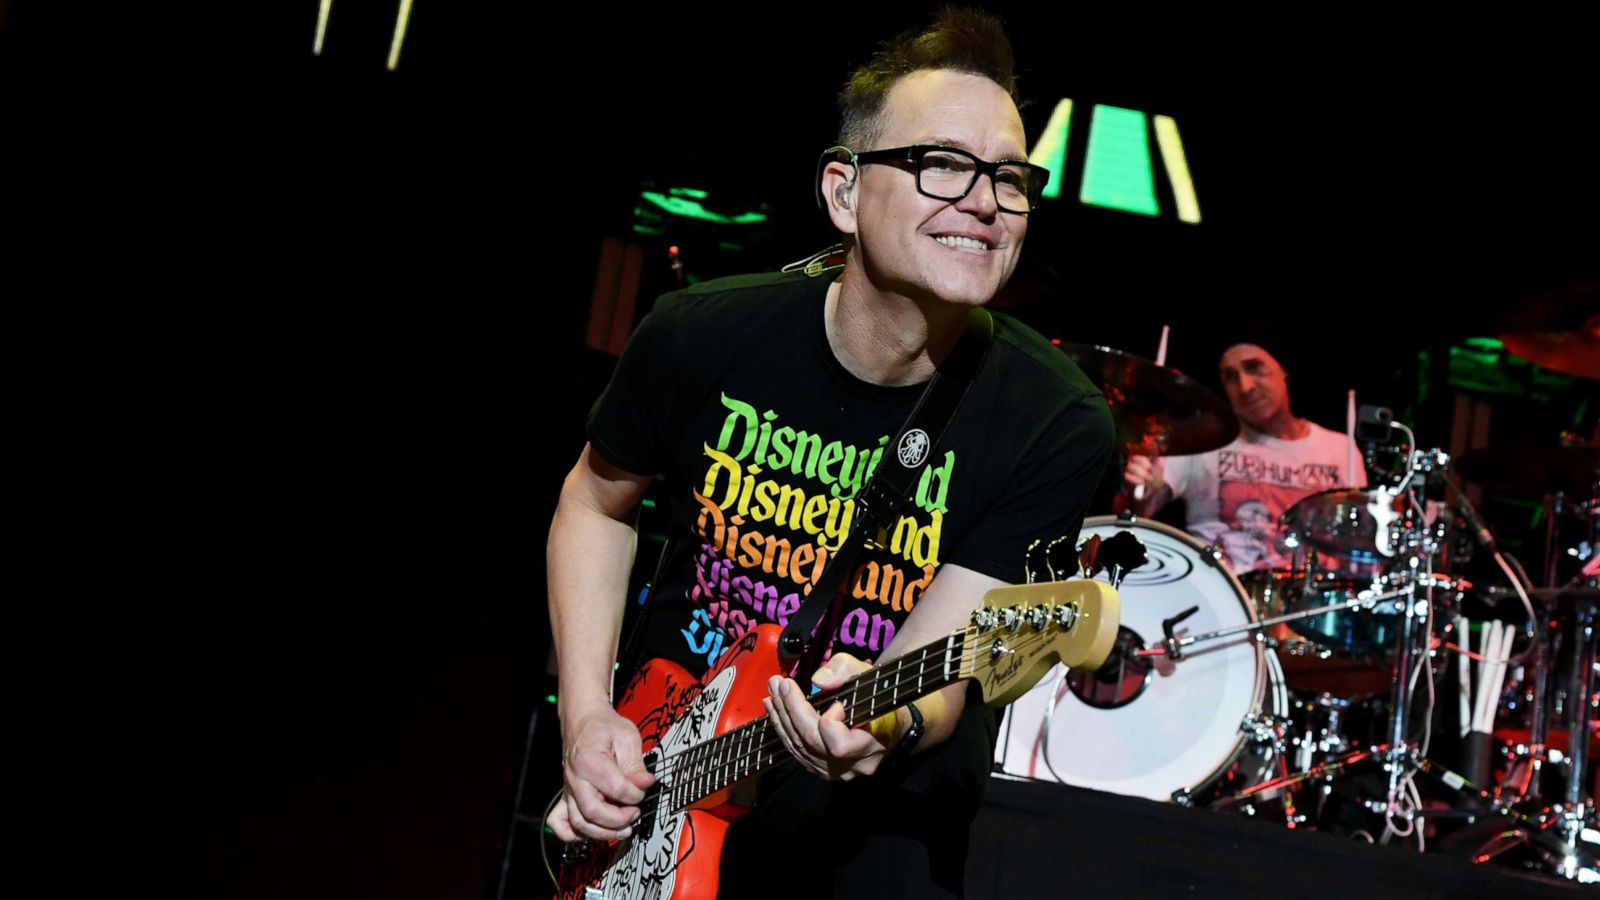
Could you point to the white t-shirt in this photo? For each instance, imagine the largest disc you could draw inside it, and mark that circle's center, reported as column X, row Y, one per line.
column 1237, row 494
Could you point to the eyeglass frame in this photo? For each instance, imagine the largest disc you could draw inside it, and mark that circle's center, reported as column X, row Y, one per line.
column 915, row 153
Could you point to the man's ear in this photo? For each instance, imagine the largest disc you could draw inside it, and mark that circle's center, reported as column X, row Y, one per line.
column 839, row 193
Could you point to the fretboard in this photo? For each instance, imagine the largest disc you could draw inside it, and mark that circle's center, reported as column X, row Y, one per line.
column 753, row 748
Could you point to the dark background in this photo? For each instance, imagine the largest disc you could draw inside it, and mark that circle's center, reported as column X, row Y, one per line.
column 336, row 316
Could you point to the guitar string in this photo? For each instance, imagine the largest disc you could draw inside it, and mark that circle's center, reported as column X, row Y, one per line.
column 693, row 758
column 698, row 754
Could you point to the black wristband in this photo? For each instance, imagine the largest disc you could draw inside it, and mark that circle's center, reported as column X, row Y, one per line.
column 908, row 741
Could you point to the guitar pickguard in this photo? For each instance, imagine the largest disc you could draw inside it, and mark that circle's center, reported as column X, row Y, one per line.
column 647, row 864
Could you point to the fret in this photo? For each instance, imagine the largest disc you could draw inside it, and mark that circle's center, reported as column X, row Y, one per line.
column 737, row 771
column 758, row 736
column 680, row 772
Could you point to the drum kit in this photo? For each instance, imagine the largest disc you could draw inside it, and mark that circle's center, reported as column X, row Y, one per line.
column 1324, row 694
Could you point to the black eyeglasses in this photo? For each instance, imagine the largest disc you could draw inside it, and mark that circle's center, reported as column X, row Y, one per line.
column 946, row 173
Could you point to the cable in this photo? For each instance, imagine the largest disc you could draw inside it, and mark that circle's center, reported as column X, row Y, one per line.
column 544, row 845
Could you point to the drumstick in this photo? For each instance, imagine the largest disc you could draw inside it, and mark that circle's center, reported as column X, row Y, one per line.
column 1501, row 666
column 1492, row 672
column 1464, row 672
column 1491, row 697
column 1350, row 440
column 1161, row 360
column 1488, row 633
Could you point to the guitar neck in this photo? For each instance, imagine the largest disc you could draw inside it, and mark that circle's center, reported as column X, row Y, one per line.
column 753, row 748
column 899, row 681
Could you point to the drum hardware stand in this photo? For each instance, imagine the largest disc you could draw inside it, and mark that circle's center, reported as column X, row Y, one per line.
column 1560, row 831
column 1565, row 832
column 1332, row 738
column 1404, row 536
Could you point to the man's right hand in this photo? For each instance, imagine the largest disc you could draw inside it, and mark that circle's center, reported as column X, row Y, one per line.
column 605, row 776
column 1147, row 471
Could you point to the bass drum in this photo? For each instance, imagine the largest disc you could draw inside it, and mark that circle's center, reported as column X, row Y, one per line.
column 1145, row 726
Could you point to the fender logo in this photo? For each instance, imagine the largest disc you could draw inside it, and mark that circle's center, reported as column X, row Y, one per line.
column 1004, row 671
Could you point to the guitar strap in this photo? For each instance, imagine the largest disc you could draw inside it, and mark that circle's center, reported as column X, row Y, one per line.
column 809, row 634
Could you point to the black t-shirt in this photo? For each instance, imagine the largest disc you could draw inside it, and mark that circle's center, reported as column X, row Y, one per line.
column 730, row 390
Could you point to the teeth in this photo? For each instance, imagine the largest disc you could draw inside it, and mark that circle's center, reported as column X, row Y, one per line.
column 950, row 240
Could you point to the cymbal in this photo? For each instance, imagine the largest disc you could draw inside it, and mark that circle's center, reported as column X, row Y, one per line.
column 1534, row 471
column 1158, row 411
column 1558, row 331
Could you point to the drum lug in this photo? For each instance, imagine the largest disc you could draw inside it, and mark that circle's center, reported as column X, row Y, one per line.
column 1212, row 552
column 1266, row 730
column 1182, row 797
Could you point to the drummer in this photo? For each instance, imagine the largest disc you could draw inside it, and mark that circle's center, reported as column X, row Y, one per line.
column 1237, row 494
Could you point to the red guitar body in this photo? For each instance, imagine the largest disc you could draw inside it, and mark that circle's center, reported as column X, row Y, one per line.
column 677, row 856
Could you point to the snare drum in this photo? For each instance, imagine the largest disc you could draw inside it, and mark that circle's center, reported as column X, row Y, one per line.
column 1145, row 726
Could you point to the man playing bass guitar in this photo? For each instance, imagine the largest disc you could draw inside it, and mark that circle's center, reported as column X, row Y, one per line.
column 767, row 401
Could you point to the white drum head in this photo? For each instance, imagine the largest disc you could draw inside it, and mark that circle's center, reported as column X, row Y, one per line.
column 1183, row 728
